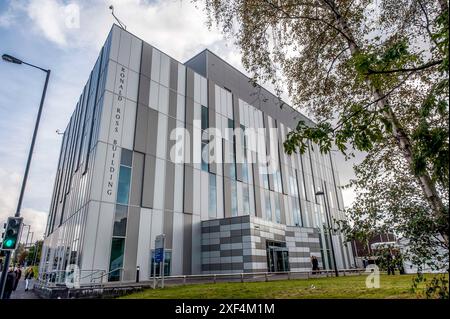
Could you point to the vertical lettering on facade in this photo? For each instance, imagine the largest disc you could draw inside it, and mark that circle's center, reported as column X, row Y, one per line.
column 115, row 132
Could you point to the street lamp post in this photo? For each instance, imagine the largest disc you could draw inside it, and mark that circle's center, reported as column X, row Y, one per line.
column 11, row 59
column 325, row 200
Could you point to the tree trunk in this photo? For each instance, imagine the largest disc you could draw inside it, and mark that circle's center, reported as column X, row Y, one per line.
column 403, row 140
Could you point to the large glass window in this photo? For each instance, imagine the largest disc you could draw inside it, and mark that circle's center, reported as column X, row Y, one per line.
column 296, row 211
column 246, row 199
column 234, row 205
column 120, row 221
column 268, row 206
column 205, row 120
column 277, row 208
column 116, row 260
column 212, row 204
column 123, row 190
column 157, row 267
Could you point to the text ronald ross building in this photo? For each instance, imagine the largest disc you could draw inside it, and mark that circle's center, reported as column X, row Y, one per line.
column 124, row 179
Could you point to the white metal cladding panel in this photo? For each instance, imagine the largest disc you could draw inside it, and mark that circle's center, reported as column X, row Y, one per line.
column 180, row 107
column 229, row 104
column 105, row 120
column 223, row 102
column 203, row 91
column 143, row 249
column 217, row 97
column 110, row 178
column 132, row 85
column 124, row 48
column 196, row 245
column 157, row 226
column 115, row 42
column 287, row 214
column 196, row 148
column 219, row 183
column 197, row 115
column 156, row 65
column 177, row 249
column 204, row 195
column 251, row 200
column 128, row 125
column 178, row 188
column 135, row 54
column 165, row 70
column 98, row 172
column 181, row 87
column 196, row 193
column 104, row 235
column 163, row 99
column 197, row 88
column 160, row 170
column 90, row 233
column 154, row 95
column 161, row 143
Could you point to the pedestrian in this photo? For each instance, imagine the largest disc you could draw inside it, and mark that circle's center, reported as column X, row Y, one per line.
column 9, row 284
column 315, row 264
column 390, row 264
column 29, row 274
column 18, row 272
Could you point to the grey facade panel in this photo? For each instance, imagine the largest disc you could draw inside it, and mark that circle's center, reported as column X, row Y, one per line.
column 187, row 244
column 168, row 228
column 144, row 90
column 149, row 181
column 169, row 185
column 140, row 135
column 146, row 60
column 152, row 132
column 131, row 243
column 172, row 104
column 188, row 191
column 136, row 180
column 173, row 78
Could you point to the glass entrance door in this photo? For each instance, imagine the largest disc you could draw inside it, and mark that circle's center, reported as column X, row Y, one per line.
column 277, row 257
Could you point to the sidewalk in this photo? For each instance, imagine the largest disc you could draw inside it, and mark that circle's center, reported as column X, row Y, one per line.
column 20, row 292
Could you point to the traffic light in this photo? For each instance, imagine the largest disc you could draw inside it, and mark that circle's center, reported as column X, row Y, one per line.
column 12, row 233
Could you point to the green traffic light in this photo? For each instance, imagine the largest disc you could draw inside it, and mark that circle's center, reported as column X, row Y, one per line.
column 9, row 243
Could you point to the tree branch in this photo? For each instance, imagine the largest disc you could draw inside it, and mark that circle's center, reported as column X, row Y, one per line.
column 418, row 68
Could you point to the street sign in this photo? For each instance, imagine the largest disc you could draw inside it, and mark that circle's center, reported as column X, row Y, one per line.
column 159, row 255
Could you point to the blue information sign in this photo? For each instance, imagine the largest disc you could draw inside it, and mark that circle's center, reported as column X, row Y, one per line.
column 159, row 255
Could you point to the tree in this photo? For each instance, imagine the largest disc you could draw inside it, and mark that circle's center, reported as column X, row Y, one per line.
column 34, row 254
column 375, row 77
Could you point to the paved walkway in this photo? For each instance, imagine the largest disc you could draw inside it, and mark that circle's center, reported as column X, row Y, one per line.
column 20, row 292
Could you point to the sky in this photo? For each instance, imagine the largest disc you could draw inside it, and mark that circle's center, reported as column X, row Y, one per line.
column 66, row 37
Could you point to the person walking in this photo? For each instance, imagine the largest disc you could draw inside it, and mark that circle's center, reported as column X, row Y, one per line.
column 29, row 274
column 18, row 272
column 315, row 264
column 9, row 284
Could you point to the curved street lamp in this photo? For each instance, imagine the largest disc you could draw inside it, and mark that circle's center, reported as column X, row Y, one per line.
column 12, row 59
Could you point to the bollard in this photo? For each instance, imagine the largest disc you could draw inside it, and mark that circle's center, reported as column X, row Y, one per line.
column 242, row 277
column 184, row 280
column 137, row 273
column 214, row 278
column 265, row 275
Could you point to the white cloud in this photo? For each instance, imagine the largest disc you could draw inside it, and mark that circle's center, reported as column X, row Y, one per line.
column 9, row 188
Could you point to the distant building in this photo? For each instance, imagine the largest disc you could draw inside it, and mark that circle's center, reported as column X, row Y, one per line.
column 120, row 183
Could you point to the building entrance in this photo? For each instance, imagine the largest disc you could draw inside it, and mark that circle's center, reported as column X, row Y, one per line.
column 277, row 256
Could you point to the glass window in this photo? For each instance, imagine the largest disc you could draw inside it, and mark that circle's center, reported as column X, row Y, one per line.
column 205, row 157
column 123, row 190
column 268, row 206
column 126, row 157
column 277, row 209
column 296, row 212
column 120, row 221
column 246, row 199
column 234, row 206
column 116, row 260
column 205, row 123
column 167, row 264
column 212, row 204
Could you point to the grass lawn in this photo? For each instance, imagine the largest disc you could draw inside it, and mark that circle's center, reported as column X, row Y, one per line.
column 395, row 287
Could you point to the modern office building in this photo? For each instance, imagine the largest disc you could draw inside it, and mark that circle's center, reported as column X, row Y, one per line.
column 131, row 168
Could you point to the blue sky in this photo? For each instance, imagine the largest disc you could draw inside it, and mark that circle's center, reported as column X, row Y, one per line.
column 51, row 34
